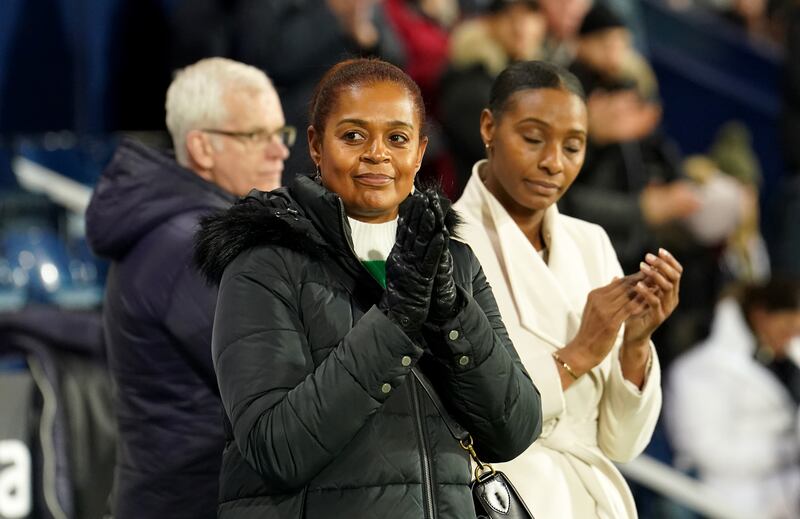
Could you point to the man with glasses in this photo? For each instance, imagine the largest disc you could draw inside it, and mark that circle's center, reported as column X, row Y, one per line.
column 230, row 136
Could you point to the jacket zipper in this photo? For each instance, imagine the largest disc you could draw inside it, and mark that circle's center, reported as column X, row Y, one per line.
column 427, row 477
column 419, row 419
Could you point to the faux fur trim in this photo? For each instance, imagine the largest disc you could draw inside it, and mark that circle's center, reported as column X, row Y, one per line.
column 271, row 218
column 256, row 220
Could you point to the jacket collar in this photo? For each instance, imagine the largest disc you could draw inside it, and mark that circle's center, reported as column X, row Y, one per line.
column 325, row 211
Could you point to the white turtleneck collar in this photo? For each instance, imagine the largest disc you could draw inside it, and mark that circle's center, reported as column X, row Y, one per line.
column 373, row 241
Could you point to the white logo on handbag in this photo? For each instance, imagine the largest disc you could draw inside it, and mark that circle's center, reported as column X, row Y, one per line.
column 496, row 495
column 15, row 479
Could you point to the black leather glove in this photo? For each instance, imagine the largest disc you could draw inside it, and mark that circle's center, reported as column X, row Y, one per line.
column 444, row 299
column 412, row 264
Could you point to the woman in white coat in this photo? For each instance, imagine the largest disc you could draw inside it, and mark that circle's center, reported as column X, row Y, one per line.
column 733, row 407
column 581, row 328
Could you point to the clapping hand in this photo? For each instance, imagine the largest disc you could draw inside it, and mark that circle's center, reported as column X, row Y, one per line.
column 606, row 309
column 413, row 263
column 659, row 291
column 444, row 299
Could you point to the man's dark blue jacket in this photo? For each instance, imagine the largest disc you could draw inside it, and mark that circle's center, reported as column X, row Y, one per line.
column 158, row 315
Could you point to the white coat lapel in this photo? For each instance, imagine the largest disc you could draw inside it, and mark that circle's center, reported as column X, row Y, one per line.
column 567, row 266
column 542, row 306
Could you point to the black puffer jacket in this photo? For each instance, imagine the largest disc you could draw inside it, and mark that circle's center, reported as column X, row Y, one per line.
column 326, row 420
column 157, row 317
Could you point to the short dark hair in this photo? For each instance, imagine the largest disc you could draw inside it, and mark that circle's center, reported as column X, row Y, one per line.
column 359, row 72
column 498, row 5
column 780, row 293
column 600, row 18
column 531, row 75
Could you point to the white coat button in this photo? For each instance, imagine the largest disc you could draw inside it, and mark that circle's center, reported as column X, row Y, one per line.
column 453, row 335
column 386, row 388
column 463, row 360
column 405, row 361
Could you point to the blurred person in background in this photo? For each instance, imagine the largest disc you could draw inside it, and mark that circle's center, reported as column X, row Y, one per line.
column 733, row 401
column 631, row 180
column 229, row 133
column 480, row 48
column 424, row 26
column 632, row 183
column 728, row 181
column 332, row 290
column 563, row 18
column 606, row 59
column 296, row 41
column 764, row 21
column 581, row 329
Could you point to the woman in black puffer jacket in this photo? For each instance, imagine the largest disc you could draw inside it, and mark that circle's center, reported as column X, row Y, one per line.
column 313, row 356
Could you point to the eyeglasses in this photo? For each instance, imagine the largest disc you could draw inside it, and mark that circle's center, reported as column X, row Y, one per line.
column 286, row 134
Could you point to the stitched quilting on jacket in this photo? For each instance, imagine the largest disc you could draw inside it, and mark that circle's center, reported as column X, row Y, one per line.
column 325, row 419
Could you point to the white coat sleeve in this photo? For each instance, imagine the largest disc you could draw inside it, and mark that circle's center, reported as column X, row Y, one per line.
column 544, row 372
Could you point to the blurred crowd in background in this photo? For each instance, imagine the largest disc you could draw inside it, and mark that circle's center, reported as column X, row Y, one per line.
column 694, row 110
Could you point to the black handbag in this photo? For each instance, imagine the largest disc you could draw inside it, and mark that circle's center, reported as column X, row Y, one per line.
column 493, row 494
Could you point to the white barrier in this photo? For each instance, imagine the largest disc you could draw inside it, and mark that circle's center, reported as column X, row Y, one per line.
column 60, row 189
column 679, row 487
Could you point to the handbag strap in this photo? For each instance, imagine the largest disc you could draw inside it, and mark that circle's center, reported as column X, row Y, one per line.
column 462, row 436
column 458, row 432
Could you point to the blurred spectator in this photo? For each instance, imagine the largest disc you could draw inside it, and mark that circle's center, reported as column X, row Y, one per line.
column 296, row 41
column 564, row 18
column 756, row 18
column 227, row 124
column 605, row 58
column 424, row 28
column 480, row 48
column 745, row 258
column 631, row 12
column 632, row 183
column 733, row 411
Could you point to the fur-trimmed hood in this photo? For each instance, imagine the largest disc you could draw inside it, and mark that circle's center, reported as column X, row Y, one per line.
column 304, row 216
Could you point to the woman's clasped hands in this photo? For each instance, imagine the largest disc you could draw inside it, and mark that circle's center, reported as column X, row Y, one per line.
column 640, row 301
column 658, row 291
column 419, row 270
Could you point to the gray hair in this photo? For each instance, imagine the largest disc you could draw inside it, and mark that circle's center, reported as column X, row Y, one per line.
column 196, row 96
